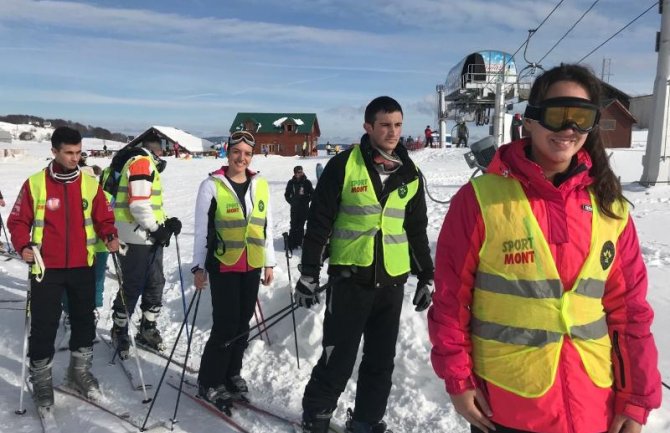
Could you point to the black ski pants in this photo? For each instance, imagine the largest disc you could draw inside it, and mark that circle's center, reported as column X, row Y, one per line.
column 353, row 311
column 45, row 309
column 233, row 303
column 142, row 269
column 297, row 232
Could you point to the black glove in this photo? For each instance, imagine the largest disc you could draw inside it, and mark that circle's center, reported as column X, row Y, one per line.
column 161, row 236
column 423, row 295
column 306, row 293
column 173, row 224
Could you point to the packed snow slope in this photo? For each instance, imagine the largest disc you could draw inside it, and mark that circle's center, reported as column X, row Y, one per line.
column 418, row 401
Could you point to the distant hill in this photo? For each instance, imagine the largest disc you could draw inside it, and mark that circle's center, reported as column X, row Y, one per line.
column 84, row 130
column 218, row 139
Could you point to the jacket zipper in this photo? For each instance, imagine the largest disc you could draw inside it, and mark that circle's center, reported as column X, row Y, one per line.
column 617, row 351
column 67, row 225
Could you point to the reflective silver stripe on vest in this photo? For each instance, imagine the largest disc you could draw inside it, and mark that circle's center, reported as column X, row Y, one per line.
column 256, row 241
column 91, row 241
column 542, row 289
column 125, row 189
column 395, row 239
column 88, row 221
column 590, row 331
column 353, row 234
column 257, row 221
column 591, row 288
column 394, row 213
column 235, row 244
column 126, row 205
column 369, row 209
column 38, row 223
column 231, row 224
column 511, row 335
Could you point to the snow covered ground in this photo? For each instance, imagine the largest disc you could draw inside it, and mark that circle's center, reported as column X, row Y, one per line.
column 418, row 402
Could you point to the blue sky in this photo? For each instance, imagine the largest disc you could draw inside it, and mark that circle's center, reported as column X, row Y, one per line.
column 193, row 64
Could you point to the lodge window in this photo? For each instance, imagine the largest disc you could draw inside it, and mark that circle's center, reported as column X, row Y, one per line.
column 289, row 128
column 607, row 124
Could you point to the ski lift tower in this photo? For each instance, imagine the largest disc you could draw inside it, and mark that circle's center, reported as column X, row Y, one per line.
column 476, row 86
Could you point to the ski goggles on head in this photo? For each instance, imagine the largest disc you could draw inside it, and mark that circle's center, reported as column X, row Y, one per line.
column 241, row 136
column 557, row 114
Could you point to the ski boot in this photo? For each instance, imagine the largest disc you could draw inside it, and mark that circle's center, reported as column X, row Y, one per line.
column 40, row 377
column 353, row 426
column 238, row 388
column 119, row 335
column 218, row 396
column 148, row 335
column 79, row 376
column 316, row 423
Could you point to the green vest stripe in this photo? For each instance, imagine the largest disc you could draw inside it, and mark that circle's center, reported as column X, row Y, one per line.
column 590, row 331
column 373, row 209
column 395, row 239
column 231, row 224
column 394, row 213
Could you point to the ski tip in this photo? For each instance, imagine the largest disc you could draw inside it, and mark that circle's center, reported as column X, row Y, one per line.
column 20, row 411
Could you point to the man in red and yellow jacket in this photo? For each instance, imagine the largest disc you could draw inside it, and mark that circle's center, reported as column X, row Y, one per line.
column 591, row 377
column 55, row 223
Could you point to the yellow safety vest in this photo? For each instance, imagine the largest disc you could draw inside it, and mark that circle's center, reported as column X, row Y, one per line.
column 234, row 232
column 520, row 310
column 361, row 216
column 100, row 246
column 38, row 191
column 122, row 206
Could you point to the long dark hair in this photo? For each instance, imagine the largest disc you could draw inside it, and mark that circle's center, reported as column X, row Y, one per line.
column 606, row 186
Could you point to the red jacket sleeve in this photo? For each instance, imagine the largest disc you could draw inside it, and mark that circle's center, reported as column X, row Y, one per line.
column 456, row 261
column 103, row 216
column 20, row 221
column 629, row 317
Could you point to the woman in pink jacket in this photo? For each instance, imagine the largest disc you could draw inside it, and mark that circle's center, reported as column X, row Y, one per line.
column 540, row 321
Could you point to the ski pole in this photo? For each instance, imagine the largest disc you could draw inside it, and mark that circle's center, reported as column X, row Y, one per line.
column 2, row 224
column 119, row 276
column 237, row 337
column 21, row 410
column 279, row 319
column 260, row 311
column 181, row 281
column 188, row 351
column 290, row 292
column 169, row 360
column 256, row 317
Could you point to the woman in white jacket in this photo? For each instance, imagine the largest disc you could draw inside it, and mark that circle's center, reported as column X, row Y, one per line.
column 232, row 246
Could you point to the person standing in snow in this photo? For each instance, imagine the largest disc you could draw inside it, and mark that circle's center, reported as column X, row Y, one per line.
column 232, row 247
column 540, row 321
column 143, row 226
column 428, row 133
column 298, row 194
column 60, row 213
column 370, row 206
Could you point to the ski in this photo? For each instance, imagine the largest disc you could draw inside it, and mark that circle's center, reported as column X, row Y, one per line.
column 45, row 414
column 210, row 407
column 125, row 366
column 190, row 369
column 108, row 407
column 244, row 402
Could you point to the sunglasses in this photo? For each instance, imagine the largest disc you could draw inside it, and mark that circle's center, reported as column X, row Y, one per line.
column 239, row 136
column 557, row 114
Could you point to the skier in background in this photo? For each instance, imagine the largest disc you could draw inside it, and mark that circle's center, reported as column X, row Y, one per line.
column 298, row 194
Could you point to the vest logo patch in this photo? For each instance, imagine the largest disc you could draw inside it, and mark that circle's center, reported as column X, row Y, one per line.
column 518, row 251
column 359, row 185
column 232, row 208
column 261, row 206
column 587, row 208
column 402, row 191
column 607, row 255
column 84, row 203
column 53, row 203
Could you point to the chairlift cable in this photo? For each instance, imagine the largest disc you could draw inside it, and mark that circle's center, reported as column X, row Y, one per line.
column 619, row 31
column 569, row 30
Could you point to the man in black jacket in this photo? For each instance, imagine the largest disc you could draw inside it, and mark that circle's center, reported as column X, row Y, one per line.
column 298, row 194
column 369, row 209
